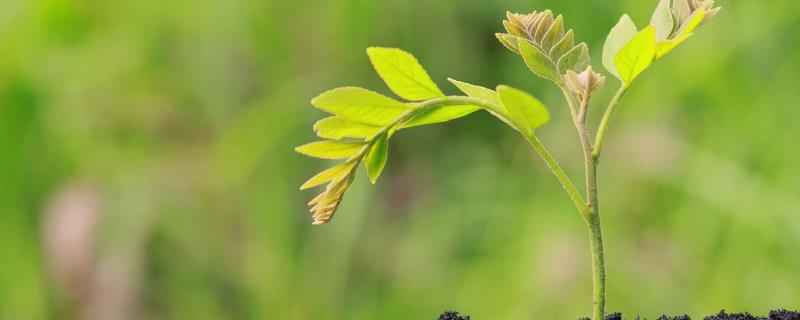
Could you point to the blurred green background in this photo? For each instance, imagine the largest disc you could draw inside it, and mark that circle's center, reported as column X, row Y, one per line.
column 147, row 170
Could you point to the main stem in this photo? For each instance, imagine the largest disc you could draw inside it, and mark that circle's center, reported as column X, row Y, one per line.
column 593, row 216
column 593, row 223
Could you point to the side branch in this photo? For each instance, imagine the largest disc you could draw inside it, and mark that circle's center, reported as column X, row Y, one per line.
column 562, row 176
column 601, row 130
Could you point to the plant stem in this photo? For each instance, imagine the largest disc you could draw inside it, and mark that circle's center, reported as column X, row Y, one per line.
column 601, row 130
column 593, row 223
column 598, row 268
column 562, row 177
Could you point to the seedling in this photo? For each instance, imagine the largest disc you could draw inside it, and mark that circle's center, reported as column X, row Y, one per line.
column 363, row 121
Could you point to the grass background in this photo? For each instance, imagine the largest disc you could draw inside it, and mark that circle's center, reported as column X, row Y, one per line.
column 147, row 171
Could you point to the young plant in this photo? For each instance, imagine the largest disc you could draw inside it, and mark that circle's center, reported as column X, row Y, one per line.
column 363, row 121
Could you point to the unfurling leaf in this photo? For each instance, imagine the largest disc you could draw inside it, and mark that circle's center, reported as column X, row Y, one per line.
column 543, row 42
column 375, row 159
column 360, row 105
column 328, row 175
column 336, row 128
column 509, row 41
column 665, row 46
column 403, row 74
column 553, row 34
column 620, row 34
column 524, row 111
column 576, row 59
column 564, row 45
column 324, row 205
column 537, row 61
column 329, row 149
column 637, row 55
column 662, row 20
column 681, row 9
column 587, row 81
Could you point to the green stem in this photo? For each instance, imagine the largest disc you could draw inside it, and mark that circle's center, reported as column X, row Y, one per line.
column 601, row 131
column 562, row 177
column 593, row 223
column 598, row 268
column 589, row 212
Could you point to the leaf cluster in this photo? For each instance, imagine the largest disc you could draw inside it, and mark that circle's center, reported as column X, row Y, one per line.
column 363, row 121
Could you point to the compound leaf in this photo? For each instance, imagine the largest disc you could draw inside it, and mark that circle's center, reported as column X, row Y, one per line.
column 328, row 175
column 375, row 159
column 476, row 91
column 336, row 128
column 524, row 111
column 330, row 149
column 439, row 115
column 360, row 105
column 403, row 74
column 538, row 61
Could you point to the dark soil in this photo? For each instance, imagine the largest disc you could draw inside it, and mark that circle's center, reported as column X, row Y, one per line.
column 781, row 314
column 451, row 315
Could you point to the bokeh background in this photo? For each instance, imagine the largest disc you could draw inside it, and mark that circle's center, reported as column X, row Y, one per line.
column 147, row 170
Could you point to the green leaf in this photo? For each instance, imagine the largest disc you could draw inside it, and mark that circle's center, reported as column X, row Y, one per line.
column 620, row 35
column 665, row 46
column 328, row 175
column 543, row 25
column 524, row 111
column 509, row 41
column 439, row 115
column 662, row 20
column 375, row 160
column 484, row 94
column 537, row 61
column 637, row 55
column 329, row 149
column 403, row 74
column 360, row 105
column 554, row 34
column 336, row 128
column 576, row 59
column 476, row 91
column 563, row 46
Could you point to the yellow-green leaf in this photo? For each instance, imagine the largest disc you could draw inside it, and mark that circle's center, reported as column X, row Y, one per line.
column 637, row 55
column 665, row 46
column 524, row 111
column 554, row 34
column 439, row 115
column 336, row 128
column 403, row 74
column 476, row 91
column 484, row 94
column 375, row 160
column 537, row 61
column 509, row 41
column 330, row 149
column 328, row 175
column 563, row 46
column 620, row 34
column 360, row 105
